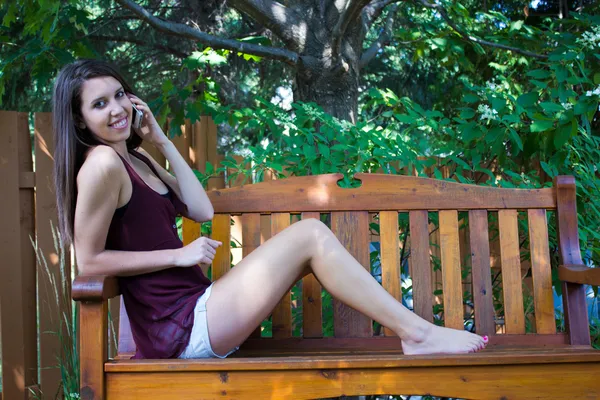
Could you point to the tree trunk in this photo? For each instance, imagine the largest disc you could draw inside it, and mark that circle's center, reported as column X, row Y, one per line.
column 336, row 92
column 329, row 81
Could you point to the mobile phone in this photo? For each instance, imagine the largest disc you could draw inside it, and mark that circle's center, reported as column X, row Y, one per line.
column 137, row 117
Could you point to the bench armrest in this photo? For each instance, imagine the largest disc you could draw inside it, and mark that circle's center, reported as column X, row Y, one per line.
column 579, row 274
column 95, row 288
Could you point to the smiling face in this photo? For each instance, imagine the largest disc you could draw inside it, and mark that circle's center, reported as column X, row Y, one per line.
column 106, row 109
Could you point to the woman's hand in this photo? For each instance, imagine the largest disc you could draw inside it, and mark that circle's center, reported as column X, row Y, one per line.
column 150, row 130
column 200, row 251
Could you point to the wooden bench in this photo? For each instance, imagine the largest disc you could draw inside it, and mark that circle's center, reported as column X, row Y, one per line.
column 516, row 365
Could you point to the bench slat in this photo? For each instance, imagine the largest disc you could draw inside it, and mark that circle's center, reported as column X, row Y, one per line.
column 451, row 271
column 251, row 241
column 190, row 231
column 393, row 193
column 574, row 295
column 312, row 313
column 497, row 354
column 481, row 272
column 377, row 345
column 420, row 265
column 221, row 231
column 540, row 270
column 282, row 314
column 352, row 230
column 514, row 315
column 390, row 257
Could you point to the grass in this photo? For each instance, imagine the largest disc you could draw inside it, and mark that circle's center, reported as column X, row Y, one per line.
column 65, row 325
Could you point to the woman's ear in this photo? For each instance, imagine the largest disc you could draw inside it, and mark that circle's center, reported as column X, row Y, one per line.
column 79, row 123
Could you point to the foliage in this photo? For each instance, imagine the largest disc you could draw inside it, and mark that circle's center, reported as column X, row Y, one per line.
column 532, row 123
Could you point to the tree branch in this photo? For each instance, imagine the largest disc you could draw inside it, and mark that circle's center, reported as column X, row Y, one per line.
column 383, row 39
column 157, row 46
column 182, row 30
column 373, row 11
column 474, row 39
column 349, row 14
column 273, row 15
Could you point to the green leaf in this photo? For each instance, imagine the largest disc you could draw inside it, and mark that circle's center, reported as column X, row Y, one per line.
column 467, row 113
column 249, row 57
column 539, row 74
column 561, row 73
column 516, row 138
column 470, row 132
column 207, row 56
column 541, row 125
column 11, row 15
column 551, row 107
column 309, row 151
column 407, row 119
column 494, row 134
column 528, row 99
column 470, row 98
column 512, row 118
column 498, row 103
column 516, row 26
column 460, row 162
column 540, row 84
column 563, row 133
column 547, row 169
column 439, row 42
column 580, row 107
column 324, row 150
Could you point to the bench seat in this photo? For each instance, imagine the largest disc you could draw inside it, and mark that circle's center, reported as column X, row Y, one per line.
column 499, row 373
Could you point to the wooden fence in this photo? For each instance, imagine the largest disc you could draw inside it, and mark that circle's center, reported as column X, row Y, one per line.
column 30, row 307
column 28, row 212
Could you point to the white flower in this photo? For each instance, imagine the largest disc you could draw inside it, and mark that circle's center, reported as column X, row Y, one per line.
column 567, row 106
column 595, row 92
column 487, row 112
column 492, row 86
column 590, row 39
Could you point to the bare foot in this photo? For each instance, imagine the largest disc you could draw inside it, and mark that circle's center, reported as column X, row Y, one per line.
column 435, row 339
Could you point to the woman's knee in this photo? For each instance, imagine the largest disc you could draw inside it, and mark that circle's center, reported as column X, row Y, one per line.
column 312, row 229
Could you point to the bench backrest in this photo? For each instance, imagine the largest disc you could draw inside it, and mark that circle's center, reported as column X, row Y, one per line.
column 463, row 213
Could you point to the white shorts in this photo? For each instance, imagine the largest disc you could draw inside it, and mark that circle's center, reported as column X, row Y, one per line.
column 199, row 345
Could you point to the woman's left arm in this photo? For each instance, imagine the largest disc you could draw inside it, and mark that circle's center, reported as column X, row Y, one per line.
column 187, row 187
column 185, row 183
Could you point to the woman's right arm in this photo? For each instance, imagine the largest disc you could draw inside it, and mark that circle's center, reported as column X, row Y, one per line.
column 99, row 184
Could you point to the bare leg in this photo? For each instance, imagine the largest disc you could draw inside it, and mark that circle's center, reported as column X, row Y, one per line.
column 247, row 294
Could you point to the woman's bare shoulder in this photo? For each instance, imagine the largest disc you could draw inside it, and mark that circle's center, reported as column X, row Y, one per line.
column 100, row 162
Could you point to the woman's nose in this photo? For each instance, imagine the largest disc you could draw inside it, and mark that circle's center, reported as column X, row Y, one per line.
column 117, row 109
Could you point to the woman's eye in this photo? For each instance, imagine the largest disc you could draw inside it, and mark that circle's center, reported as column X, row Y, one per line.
column 121, row 94
column 99, row 104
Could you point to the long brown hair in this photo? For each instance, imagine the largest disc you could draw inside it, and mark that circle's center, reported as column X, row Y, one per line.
column 70, row 140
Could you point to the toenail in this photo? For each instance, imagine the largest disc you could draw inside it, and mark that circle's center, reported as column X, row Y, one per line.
column 485, row 338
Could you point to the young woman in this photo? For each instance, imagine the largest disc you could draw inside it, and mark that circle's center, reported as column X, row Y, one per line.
column 118, row 207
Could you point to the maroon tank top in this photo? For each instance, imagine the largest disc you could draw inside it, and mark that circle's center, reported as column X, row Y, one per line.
column 160, row 305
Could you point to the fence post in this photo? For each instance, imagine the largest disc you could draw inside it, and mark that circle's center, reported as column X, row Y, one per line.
column 17, row 266
column 51, row 308
column 212, row 154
